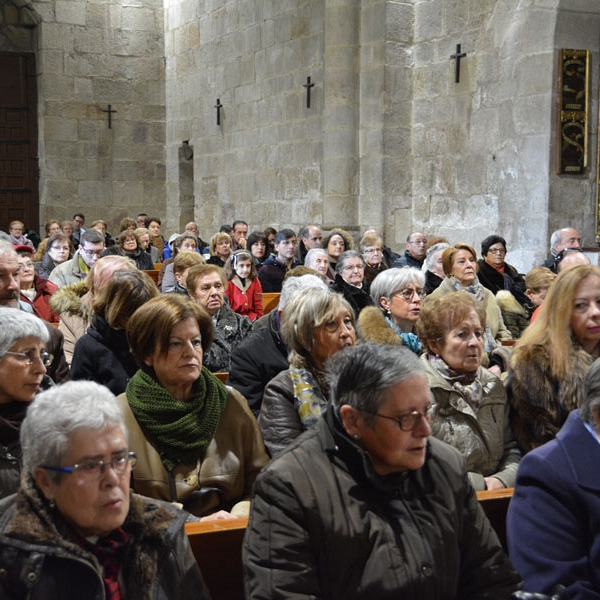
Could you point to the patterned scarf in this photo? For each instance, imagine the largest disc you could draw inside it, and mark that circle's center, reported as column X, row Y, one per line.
column 309, row 399
column 477, row 290
column 180, row 430
column 109, row 552
column 410, row 340
column 467, row 384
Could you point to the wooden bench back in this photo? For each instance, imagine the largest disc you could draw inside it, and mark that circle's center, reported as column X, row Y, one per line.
column 217, row 545
column 269, row 300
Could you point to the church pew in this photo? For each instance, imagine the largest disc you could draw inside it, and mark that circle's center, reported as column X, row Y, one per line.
column 217, row 546
column 154, row 274
column 269, row 300
column 221, row 376
column 495, row 505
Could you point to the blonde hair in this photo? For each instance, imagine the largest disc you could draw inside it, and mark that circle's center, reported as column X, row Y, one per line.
column 538, row 279
column 186, row 260
column 552, row 327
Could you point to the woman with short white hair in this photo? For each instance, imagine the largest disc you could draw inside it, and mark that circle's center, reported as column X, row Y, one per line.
column 74, row 528
column 23, row 362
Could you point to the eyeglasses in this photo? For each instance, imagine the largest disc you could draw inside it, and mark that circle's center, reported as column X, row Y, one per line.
column 353, row 268
column 408, row 421
column 92, row 470
column 91, row 253
column 372, row 251
column 26, row 266
column 407, row 294
column 29, row 357
column 419, row 242
column 497, row 250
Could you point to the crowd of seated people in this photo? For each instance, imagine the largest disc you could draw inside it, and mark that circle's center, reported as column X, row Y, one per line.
column 504, row 355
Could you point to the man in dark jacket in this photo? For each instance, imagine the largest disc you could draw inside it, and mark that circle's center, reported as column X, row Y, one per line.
column 365, row 506
column 272, row 273
column 414, row 255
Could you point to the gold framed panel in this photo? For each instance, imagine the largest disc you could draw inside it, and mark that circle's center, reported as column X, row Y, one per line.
column 574, row 74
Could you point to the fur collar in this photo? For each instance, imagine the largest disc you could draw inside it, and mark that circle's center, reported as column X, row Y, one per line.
column 372, row 327
column 71, row 299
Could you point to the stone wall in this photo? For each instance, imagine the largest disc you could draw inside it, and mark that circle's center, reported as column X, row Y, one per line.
column 90, row 55
column 18, row 21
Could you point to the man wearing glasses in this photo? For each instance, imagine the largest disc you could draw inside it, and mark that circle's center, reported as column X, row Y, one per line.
column 74, row 270
column 414, row 255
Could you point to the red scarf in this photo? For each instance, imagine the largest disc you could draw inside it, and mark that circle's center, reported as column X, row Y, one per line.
column 109, row 552
column 499, row 268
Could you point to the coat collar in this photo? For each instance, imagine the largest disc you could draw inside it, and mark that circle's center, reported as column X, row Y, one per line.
column 581, row 450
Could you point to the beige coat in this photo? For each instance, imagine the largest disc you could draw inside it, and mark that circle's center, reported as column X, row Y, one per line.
column 231, row 463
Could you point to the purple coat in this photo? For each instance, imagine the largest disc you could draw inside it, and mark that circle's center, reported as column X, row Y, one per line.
column 553, row 523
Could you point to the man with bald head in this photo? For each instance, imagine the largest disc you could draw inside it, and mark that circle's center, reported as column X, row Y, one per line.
column 569, row 257
column 559, row 240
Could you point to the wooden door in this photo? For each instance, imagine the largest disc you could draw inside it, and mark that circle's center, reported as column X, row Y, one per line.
column 19, row 194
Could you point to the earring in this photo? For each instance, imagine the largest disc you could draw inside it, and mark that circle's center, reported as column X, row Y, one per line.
column 52, row 504
column 356, row 436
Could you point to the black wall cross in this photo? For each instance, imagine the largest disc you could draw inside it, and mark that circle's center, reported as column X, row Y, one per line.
column 218, row 106
column 457, row 56
column 110, row 111
column 308, row 85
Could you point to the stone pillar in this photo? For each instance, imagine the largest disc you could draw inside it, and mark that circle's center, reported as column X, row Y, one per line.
column 340, row 113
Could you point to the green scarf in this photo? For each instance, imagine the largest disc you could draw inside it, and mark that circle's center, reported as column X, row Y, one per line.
column 180, row 431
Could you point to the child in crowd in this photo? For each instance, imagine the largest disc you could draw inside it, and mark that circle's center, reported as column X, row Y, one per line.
column 243, row 290
column 537, row 283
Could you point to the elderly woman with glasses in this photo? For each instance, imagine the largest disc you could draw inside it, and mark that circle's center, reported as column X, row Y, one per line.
column 23, row 362
column 58, row 250
column 470, row 410
column 74, row 529
column 315, row 325
column 371, row 247
column 366, row 505
column 398, row 297
column 350, row 280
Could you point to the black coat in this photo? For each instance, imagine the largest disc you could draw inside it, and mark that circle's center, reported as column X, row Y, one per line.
column 102, row 355
column 495, row 281
column 261, row 356
column 324, row 525
column 358, row 298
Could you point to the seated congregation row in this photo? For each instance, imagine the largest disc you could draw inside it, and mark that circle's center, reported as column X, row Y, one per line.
column 325, row 518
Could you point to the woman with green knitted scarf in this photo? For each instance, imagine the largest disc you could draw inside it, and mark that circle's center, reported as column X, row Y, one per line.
column 315, row 324
column 197, row 441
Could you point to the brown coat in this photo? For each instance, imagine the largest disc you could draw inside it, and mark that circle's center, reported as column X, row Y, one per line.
column 231, row 463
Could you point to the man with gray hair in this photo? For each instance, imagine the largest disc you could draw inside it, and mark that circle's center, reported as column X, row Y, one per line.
column 559, row 240
column 367, row 504
column 309, row 237
column 553, row 523
column 264, row 354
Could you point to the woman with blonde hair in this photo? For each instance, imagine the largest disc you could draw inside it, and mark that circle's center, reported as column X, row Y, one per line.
column 220, row 249
column 551, row 359
column 315, row 325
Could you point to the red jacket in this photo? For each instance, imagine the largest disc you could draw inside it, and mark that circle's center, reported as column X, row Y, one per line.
column 41, row 303
column 245, row 301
